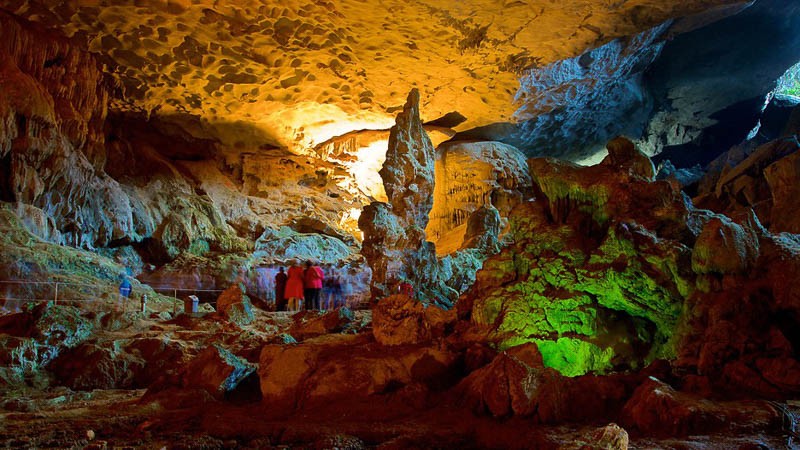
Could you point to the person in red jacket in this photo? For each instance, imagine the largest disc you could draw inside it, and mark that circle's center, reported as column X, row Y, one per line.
column 294, row 286
column 312, row 281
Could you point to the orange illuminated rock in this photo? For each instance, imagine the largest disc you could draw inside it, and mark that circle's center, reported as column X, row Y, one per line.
column 399, row 319
column 235, row 305
column 297, row 73
column 469, row 176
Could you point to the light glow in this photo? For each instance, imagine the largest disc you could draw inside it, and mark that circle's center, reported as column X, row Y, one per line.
column 365, row 167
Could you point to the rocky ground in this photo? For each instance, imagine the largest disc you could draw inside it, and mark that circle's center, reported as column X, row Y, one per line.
column 192, row 403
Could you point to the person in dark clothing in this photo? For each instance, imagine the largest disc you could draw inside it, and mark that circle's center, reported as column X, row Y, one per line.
column 280, row 290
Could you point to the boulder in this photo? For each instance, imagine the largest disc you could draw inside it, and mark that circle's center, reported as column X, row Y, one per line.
column 725, row 247
column 509, row 385
column 399, row 319
column 623, row 155
column 308, row 324
column 762, row 179
column 98, row 366
column 783, row 178
column 235, row 306
column 162, row 355
column 657, row 409
column 609, row 437
column 347, row 368
column 216, row 370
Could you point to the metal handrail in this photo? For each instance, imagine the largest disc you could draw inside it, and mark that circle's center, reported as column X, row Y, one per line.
column 56, row 284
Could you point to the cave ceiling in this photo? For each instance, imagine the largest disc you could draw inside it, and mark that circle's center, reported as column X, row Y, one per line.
column 294, row 73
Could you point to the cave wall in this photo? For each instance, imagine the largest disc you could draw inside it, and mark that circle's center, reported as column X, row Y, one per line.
column 52, row 110
column 469, row 176
column 710, row 85
column 86, row 178
column 690, row 87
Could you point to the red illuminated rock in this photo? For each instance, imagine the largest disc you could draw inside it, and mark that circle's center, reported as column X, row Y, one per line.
column 399, row 319
column 725, row 247
column 344, row 368
column 623, row 155
column 659, row 410
column 509, row 385
column 216, row 370
column 783, row 178
column 235, row 305
column 764, row 180
column 308, row 324
column 609, row 437
column 91, row 366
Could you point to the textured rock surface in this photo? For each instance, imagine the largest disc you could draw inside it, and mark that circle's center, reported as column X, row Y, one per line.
column 91, row 366
column 657, row 409
column 764, row 180
column 624, row 156
column 608, row 270
column 509, row 384
column 589, row 255
column 309, row 324
column 53, row 107
column 572, row 107
column 306, row 63
column 395, row 244
column 216, row 370
column 347, row 368
column 470, row 175
column 235, row 305
column 399, row 319
column 725, row 247
column 697, row 113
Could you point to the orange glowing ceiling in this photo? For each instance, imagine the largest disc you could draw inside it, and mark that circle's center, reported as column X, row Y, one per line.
column 294, row 73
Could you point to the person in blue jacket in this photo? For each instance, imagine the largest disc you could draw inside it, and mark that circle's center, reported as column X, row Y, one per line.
column 125, row 289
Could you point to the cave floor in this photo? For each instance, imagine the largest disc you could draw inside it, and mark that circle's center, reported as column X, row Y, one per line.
column 40, row 414
column 62, row 418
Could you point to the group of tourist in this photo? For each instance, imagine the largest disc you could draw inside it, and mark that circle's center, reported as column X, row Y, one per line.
column 307, row 288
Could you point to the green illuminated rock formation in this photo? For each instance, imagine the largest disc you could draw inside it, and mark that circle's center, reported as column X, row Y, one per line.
column 596, row 276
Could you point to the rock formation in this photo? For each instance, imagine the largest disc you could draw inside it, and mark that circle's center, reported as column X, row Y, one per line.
column 197, row 159
column 470, row 175
column 602, row 258
column 235, row 306
column 395, row 244
column 294, row 75
column 51, row 143
column 764, row 182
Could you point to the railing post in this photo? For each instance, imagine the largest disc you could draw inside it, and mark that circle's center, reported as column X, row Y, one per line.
column 55, row 297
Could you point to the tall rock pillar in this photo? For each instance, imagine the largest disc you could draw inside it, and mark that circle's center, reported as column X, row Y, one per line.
column 394, row 244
